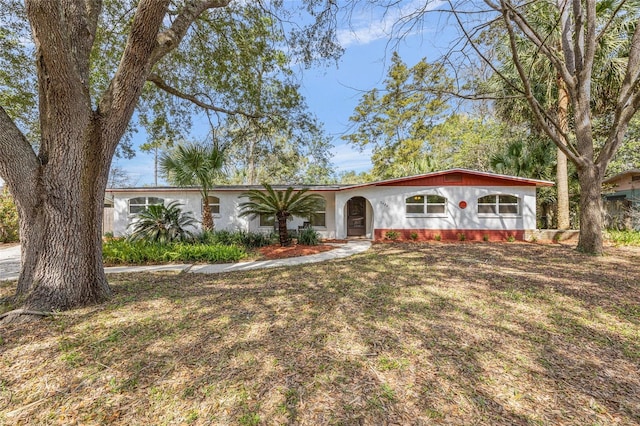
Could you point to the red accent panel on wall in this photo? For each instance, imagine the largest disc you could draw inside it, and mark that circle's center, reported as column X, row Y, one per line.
column 451, row 234
column 457, row 179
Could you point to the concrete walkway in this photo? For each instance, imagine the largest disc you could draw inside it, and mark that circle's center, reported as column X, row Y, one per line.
column 10, row 262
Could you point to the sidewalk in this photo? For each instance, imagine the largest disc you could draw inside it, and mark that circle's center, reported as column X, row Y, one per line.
column 10, row 262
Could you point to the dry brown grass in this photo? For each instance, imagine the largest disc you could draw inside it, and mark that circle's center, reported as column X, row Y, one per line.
column 407, row 334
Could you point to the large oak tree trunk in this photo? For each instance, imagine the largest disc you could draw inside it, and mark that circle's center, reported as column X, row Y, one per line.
column 59, row 192
column 62, row 251
column 60, row 222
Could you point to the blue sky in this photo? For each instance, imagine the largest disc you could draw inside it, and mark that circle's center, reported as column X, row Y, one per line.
column 332, row 92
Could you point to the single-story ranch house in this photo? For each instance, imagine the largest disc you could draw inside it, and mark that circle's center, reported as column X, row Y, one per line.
column 452, row 204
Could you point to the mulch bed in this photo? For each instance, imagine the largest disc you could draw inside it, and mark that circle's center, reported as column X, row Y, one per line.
column 277, row 252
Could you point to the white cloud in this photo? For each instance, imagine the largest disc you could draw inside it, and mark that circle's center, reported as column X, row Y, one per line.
column 367, row 26
column 345, row 158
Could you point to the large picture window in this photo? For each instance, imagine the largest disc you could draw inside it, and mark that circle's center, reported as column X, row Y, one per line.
column 138, row 204
column 319, row 218
column 426, row 204
column 214, row 204
column 499, row 205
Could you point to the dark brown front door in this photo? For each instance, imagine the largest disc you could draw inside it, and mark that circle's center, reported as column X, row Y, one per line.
column 356, row 217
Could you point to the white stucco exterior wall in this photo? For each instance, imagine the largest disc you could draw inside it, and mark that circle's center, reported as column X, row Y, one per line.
column 227, row 219
column 385, row 209
column 387, row 205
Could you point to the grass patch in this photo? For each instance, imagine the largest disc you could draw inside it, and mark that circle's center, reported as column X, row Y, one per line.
column 624, row 238
column 406, row 333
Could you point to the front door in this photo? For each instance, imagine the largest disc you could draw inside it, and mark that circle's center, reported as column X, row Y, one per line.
column 356, row 217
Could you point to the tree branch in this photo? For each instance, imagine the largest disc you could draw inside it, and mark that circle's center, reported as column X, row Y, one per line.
column 18, row 163
column 555, row 132
column 171, row 38
column 120, row 98
column 161, row 84
column 145, row 47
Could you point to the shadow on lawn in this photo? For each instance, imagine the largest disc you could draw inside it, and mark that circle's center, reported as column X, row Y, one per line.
column 403, row 334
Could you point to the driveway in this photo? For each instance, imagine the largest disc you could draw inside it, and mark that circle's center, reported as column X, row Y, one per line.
column 9, row 263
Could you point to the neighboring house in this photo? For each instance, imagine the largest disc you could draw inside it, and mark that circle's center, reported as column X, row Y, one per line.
column 446, row 204
column 622, row 200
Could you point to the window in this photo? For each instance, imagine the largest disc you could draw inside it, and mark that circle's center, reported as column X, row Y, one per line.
column 319, row 218
column 429, row 204
column 498, row 205
column 214, row 204
column 267, row 220
column 138, row 204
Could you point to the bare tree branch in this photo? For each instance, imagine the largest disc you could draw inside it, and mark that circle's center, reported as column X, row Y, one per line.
column 161, row 84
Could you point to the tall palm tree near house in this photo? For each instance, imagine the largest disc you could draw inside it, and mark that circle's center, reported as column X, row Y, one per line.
column 281, row 205
column 194, row 165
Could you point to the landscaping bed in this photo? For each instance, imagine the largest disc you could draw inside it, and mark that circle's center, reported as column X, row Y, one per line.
column 278, row 252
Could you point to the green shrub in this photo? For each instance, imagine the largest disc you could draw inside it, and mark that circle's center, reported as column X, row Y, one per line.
column 511, row 238
column 392, row 235
column 247, row 239
column 308, row 237
column 122, row 251
column 414, row 236
column 437, row 237
column 624, row 238
column 9, row 226
column 485, row 237
column 462, row 237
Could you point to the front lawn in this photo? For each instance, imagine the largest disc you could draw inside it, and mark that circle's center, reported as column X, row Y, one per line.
column 407, row 334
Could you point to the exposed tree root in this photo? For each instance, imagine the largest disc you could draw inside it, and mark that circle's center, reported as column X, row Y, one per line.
column 12, row 316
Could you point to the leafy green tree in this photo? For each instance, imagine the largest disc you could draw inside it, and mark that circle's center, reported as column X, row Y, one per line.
column 9, row 227
column 596, row 57
column 163, row 224
column 195, row 165
column 396, row 120
column 285, row 154
column 90, row 67
column 350, row 177
column 275, row 136
column 281, row 206
column 466, row 141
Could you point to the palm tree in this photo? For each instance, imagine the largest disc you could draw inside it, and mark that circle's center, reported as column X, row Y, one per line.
column 281, row 205
column 163, row 224
column 194, row 165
